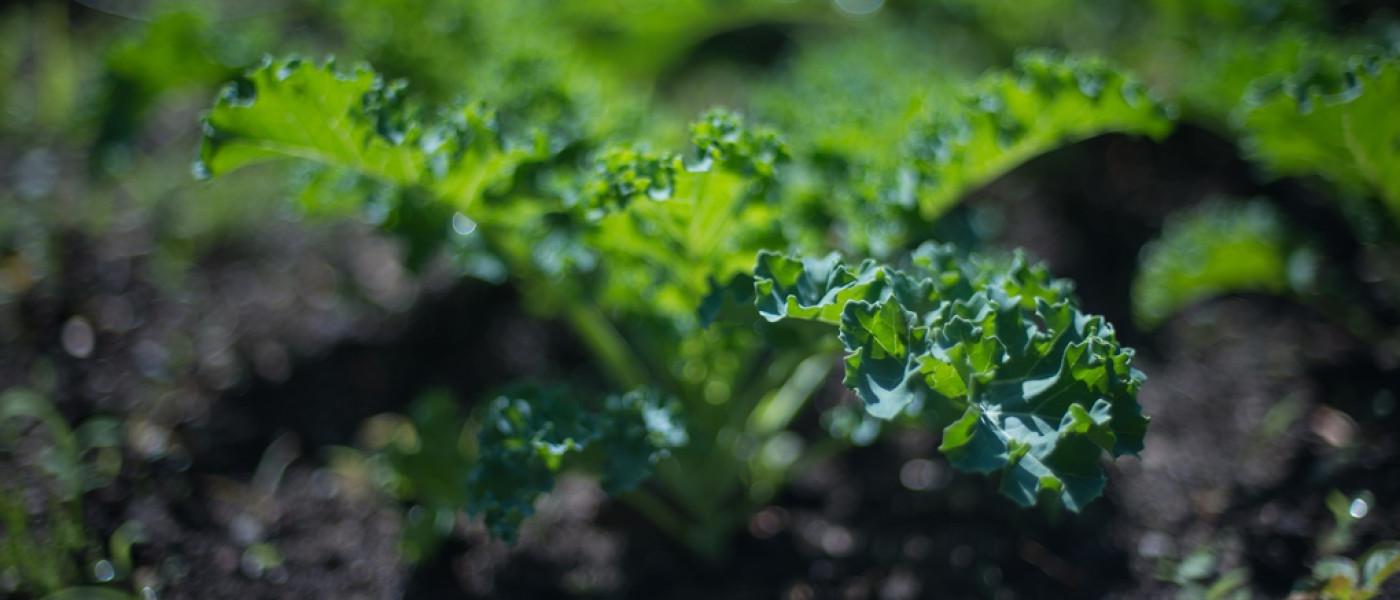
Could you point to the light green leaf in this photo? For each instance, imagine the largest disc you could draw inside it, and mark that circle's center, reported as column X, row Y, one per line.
column 296, row 108
column 1218, row 248
column 352, row 119
column 1333, row 120
column 1337, row 571
column 673, row 227
column 1006, row 118
column 1379, row 564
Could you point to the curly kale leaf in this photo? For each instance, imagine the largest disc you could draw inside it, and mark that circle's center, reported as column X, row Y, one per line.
column 528, row 436
column 1333, row 120
column 670, row 227
column 722, row 137
column 1006, row 118
column 627, row 173
column 351, row 119
column 1216, row 249
column 993, row 351
column 812, row 288
column 721, row 142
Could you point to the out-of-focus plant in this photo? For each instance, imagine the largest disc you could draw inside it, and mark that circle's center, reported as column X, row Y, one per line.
column 1332, row 120
column 41, row 560
column 1336, row 577
column 499, row 462
column 1200, row 576
column 1220, row 248
column 1340, row 578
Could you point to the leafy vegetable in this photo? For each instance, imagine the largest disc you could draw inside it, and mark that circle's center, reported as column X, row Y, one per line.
column 1219, row 248
column 690, row 219
column 352, row 119
column 1334, row 120
column 993, row 351
column 647, row 246
column 1005, row 118
column 528, row 436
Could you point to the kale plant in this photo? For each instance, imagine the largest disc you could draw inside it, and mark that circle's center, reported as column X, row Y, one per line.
column 652, row 256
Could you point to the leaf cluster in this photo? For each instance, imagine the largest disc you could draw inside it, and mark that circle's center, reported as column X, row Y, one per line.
column 994, row 352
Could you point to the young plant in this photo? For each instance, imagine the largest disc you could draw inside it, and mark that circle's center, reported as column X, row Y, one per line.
column 40, row 560
column 650, row 257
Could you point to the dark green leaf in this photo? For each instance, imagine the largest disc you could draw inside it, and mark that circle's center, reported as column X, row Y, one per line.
column 993, row 351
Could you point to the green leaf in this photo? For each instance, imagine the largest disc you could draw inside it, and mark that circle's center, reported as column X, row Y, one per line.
column 815, row 288
column 1379, row 564
column 352, row 119
column 62, row 460
column 883, row 344
column 533, row 433
column 1333, row 120
column 1231, row 584
column 1006, row 118
column 639, row 428
column 1197, row 566
column 671, row 228
column 429, row 446
column 722, row 137
column 1218, row 248
column 295, row 108
column 627, row 173
column 1337, row 572
column 994, row 352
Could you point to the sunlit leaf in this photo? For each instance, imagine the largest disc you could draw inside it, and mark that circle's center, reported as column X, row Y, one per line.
column 994, row 352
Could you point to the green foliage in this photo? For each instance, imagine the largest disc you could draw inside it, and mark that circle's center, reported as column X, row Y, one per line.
column 78, row 460
column 1201, row 577
column 497, row 464
column 1006, row 118
column 647, row 252
column 692, row 219
column 1336, row 577
column 40, row 553
column 1219, row 248
column 530, row 435
column 1339, row 578
column 42, row 99
column 607, row 214
column 176, row 51
column 352, row 119
column 1333, row 119
column 992, row 351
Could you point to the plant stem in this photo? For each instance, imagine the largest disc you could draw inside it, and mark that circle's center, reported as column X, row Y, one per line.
column 612, row 351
